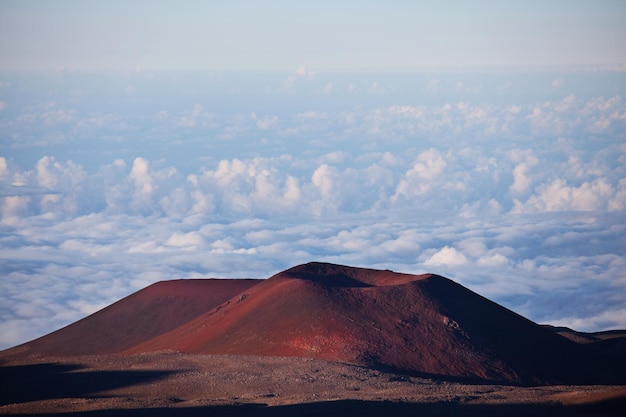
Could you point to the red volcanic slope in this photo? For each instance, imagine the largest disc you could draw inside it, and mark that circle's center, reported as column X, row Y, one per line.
column 425, row 324
column 141, row 316
column 422, row 324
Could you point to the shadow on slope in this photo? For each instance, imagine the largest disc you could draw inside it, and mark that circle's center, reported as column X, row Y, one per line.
column 375, row 408
column 538, row 354
column 25, row 383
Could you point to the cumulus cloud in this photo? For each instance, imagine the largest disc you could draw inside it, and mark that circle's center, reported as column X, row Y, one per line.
column 446, row 256
column 418, row 180
column 558, row 196
column 13, row 207
column 323, row 179
column 143, row 183
column 521, row 179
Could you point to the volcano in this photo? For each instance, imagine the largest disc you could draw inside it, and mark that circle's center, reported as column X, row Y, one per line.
column 424, row 325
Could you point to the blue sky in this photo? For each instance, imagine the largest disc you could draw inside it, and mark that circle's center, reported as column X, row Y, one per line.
column 208, row 139
column 281, row 35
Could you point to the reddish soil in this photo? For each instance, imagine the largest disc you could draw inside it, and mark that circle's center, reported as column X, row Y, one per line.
column 141, row 316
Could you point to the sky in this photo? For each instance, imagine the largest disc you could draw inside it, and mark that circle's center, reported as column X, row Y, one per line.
column 147, row 141
column 280, row 35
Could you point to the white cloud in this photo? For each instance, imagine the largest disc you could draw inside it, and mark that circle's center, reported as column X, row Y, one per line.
column 291, row 191
column 65, row 180
column 495, row 259
column 609, row 319
column 418, row 180
column 558, row 196
column 4, row 169
column 191, row 119
column 429, row 165
column 268, row 122
column 300, row 73
column 446, row 256
column 144, row 185
column 176, row 204
column 193, row 239
column 500, row 259
column 521, row 180
column 324, row 179
column 618, row 201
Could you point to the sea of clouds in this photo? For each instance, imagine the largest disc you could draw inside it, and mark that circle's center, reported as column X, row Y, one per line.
column 511, row 183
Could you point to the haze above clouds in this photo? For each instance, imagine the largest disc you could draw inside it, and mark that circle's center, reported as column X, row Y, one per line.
column 354, row 149
column 323, row 34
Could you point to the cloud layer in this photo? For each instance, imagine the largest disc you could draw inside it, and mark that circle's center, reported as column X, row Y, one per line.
column 520, row 198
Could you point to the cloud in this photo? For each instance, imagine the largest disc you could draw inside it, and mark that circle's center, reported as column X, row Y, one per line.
column 322, row 178
column 495, row 259
column 192, row 118
column 143, row 183
column 191, row 239
column 300, row 73
column 14, row 207
column 4, row 169
column 446, row 256
column 558, row 196
column 177, row 203
column 265, row 123
column 504, row 259
column 429, row 165
column 521, row 180
column 418, row 180
column 610, row 319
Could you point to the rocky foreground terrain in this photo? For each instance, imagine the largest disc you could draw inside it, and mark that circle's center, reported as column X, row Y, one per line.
column 171, row 383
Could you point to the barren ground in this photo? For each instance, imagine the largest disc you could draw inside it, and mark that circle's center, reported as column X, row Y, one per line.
column 169, row 383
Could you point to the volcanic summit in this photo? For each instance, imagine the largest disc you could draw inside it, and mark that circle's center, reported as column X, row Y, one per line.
column 424, row 325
